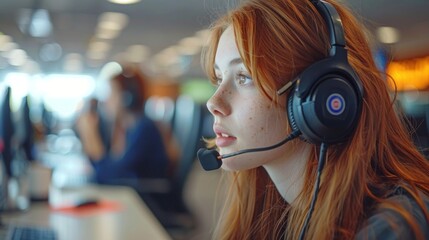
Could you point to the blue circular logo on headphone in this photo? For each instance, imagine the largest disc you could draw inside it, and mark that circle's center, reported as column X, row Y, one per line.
column 335, row 104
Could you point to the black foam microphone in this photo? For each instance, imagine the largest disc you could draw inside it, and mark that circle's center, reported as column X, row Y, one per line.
column 210, row 159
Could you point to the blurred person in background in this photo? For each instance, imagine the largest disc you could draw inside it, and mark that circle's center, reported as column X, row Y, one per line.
column 127, row 144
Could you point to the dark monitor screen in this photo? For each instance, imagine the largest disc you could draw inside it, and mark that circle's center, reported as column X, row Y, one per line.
column 2, row 92
column 24, row 130
column 7, row 129
column 2, row 98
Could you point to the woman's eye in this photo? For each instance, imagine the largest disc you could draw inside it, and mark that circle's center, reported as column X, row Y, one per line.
column 243, row 79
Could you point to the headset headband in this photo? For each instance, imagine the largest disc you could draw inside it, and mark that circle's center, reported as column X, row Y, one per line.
column 333, row 23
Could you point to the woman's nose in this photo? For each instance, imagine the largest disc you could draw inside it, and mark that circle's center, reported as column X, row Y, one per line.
column 218, row 104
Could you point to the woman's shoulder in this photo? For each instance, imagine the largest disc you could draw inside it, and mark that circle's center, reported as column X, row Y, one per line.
column 146, row 130
column 144, row 123
column 386, row 223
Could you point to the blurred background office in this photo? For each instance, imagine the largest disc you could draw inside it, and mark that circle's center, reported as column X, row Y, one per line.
column 56, row 55
column 116, row 135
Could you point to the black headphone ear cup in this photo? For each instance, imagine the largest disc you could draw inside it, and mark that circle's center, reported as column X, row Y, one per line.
column 291, row 118
column 328, row 113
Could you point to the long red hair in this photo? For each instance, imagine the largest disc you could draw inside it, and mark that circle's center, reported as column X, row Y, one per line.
column 278, row 39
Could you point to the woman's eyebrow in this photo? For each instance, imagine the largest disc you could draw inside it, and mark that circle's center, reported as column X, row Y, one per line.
column 234, row 61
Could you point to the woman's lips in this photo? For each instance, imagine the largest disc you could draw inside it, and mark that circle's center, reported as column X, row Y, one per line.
column 224, row 140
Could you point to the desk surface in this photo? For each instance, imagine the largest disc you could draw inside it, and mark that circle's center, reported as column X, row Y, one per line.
column 129, row 220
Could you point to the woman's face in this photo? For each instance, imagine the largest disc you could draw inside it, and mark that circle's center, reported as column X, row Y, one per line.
column 244, row 117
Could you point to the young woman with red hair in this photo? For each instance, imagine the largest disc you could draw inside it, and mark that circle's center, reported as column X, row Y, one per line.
column 374, row 184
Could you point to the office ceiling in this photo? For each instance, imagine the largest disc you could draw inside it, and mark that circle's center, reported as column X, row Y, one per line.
column 158, row 24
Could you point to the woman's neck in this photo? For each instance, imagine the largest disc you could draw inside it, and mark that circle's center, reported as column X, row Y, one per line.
column 288, row 173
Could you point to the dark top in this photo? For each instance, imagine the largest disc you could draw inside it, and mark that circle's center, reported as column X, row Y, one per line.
column 387, row 224
column 145, row 156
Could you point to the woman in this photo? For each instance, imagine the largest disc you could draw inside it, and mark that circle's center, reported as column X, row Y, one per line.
column 374, row 184
column 133, row 147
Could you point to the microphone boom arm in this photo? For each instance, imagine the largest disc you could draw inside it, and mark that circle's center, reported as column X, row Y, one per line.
column 291, row 136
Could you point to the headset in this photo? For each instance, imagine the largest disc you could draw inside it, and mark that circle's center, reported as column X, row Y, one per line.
column 326, row 98
column 325, row 102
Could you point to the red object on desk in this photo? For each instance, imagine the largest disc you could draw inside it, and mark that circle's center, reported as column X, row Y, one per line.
column 99, row 207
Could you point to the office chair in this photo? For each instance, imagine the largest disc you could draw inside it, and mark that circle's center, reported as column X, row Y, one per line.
column 169, row 205
column 6, row 148
column 161, row 110
column 3, row 179
column 13, row 187
column 27, row 138
column 48, row 120
column 165, row 196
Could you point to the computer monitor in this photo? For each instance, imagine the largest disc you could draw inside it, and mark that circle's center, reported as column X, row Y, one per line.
column 7, row 130
column 2, row 164
column 26, row 134
column 1, row 123
column 48, row 120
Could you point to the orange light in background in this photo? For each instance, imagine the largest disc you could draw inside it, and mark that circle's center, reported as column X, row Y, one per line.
column 412, row 74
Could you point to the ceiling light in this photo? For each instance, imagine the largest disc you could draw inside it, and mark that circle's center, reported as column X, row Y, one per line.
column 96, row 55
column 137, row 53
column 203, row 35
column 106, row 33
column 110, row 25
column 388, row 35
column 73, row 63
column 35, row 22
column 8, row 46
column 189, row 46
column 124, row 1
column 99, row 46
column 4, row 39
column 113, row 20
column 50, row 52
column 17, row 57
column 30, row 66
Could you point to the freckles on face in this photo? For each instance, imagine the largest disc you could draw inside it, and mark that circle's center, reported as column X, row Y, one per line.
column 262, row 119
column 244, row 116
column 261, row 124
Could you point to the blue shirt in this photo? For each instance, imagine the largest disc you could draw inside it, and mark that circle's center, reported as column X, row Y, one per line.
column 145, row 156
